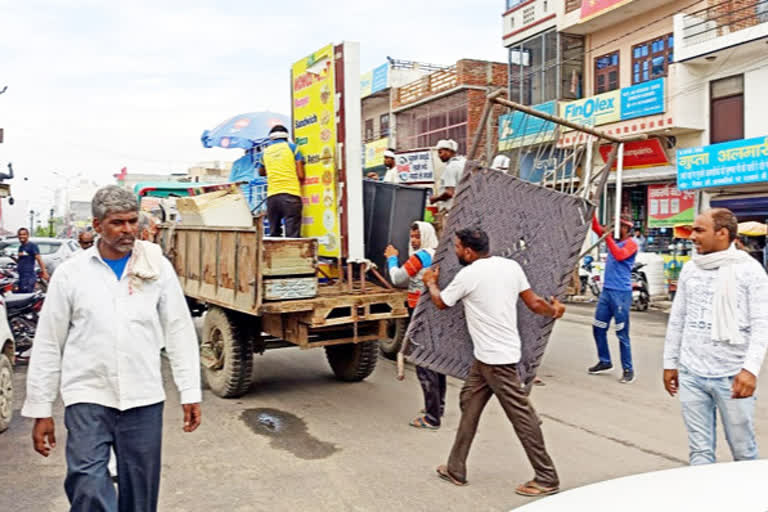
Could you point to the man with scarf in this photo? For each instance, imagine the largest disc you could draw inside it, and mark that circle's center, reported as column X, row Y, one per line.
column 421, row 252
column 283, row 165
column 716, row 339
column 615, row 301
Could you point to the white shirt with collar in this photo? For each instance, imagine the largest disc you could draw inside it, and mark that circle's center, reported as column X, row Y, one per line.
column 392, row 176
column 98, row 339
column 450, row 179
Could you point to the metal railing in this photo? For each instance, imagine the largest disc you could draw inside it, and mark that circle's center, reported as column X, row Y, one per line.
column 723, row 18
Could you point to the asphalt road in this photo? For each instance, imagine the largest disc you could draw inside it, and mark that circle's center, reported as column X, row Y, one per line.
column 302, row 441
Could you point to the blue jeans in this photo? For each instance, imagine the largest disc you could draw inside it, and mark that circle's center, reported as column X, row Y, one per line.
column 27, row 282
column 135, row 435
column 613, row 304
column 701, row 398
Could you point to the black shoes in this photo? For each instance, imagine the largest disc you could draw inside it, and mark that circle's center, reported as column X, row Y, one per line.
column 628, row 377
column 600, row 368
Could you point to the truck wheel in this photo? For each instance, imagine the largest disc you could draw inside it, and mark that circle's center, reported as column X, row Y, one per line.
column 353, row 362
column 6, row 392
column 391, row 345
column 226, row 353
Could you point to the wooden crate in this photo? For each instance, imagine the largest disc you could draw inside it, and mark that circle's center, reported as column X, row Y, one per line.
column 290, row 256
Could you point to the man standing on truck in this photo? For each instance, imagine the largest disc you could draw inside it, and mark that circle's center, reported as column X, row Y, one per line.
column 283, row 165
column 391, row 176
column 615, row 300
column 28, row 255
column 489, row 287
column 449, row 180
column 109, row 312
column 421, row 252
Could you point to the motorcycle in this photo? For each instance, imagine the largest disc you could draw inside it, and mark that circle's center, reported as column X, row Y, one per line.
column 641, row 298
column 23, row 310
column 589, row 276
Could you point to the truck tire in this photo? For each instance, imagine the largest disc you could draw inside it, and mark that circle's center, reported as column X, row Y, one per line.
column 353, row 362
column 226, row 353
column 391, row 345
column 6, row 392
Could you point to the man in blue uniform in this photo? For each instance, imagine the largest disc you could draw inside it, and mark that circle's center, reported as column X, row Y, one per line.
column 28, row 254
column 615, row 300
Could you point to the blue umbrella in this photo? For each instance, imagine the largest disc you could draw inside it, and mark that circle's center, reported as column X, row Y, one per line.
column 244, row 131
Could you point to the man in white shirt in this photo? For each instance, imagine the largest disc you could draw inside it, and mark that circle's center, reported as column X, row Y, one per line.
column 717, row 338
column 108, row 313
column 489, row 287
column 449, row 179
column 391, row 176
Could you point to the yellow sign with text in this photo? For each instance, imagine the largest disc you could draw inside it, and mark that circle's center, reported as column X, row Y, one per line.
column 374, row 152
column 314, row 128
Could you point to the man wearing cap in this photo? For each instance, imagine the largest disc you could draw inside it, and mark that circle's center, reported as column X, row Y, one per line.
column 615, row 300
column 449, row 180
column 283, row 165
column 392, row 176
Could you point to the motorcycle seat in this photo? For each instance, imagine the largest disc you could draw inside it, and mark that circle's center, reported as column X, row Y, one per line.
column 19, row 300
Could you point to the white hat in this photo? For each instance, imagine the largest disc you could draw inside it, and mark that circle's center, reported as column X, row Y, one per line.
column 447, row 144
column 389, row 154
column 500, row 163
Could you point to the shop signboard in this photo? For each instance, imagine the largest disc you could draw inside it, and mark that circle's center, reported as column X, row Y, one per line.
column 592, row 8
column 374, row 81
column 668, row 206
column 639, row 154
column 520, row 129
column 415, row 167
column 314, row 129
column 639, row 100
column 737, row 162
column 374, row 153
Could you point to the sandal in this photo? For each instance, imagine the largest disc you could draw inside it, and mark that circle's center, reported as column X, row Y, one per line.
column 533, row 489
column 421, row 422
column 442, row 472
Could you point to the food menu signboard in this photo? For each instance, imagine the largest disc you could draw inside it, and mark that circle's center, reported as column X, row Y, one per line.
column 314, row 130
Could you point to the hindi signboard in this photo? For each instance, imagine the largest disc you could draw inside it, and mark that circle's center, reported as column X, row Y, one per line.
column 737, row 162
column 668, row 206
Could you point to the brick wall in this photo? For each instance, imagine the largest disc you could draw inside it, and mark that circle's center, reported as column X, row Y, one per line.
column 481, row 72
column 733, row 15
column 475, row 106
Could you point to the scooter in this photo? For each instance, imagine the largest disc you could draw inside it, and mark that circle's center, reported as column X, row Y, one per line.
column 23, row 310
column 589, row 276
column 641, row 299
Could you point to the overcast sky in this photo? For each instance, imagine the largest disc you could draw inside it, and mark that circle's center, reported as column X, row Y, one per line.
column 97, row 85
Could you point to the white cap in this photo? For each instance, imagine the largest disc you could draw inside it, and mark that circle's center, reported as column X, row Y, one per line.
column 389, row 154
column 447, row 144
column 500, row 163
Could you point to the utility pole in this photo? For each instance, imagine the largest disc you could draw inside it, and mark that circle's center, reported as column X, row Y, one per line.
column 51, row 225
column 31, row 222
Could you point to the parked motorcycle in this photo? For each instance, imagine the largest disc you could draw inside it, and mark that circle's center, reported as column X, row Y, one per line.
column 641, row 298
column 23, row 310
column 589, row 276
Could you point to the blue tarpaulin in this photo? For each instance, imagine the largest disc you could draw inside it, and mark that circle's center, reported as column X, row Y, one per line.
column 244, row 131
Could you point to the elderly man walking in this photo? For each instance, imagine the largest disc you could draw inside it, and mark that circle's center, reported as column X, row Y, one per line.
column 717, row 338
column 109, row 311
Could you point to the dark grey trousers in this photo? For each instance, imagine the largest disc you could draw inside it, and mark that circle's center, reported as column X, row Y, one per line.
column 136, row 436
column 284, row 207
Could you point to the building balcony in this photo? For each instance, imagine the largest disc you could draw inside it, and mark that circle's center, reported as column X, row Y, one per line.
column 587, row 16
column 425, row 87
column 723, row 25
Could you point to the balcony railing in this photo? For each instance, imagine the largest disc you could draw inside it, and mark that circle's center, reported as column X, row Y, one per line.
column 722, row 19
column 425, row 87
column 572, row 5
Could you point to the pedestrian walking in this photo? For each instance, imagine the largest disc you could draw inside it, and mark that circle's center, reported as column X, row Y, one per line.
column 283, row 165
column 85, row 239
column 615, row 301
column 109, row 311
column 28, row 255
column 421, row 251
column 717, row 338
column 489, row 287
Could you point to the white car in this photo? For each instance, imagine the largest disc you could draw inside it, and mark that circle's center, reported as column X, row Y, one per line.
column 53, row 250
column 7, row 360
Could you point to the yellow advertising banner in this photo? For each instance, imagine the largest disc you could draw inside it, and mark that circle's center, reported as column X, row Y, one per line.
column 314, row 125
column 374, row 152
column 366, row 84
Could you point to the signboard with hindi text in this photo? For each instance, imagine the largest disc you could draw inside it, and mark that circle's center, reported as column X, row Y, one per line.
column 415, row 167
column 668, row 206
column 374, row 153
column 314, row 130
column 737, row 162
